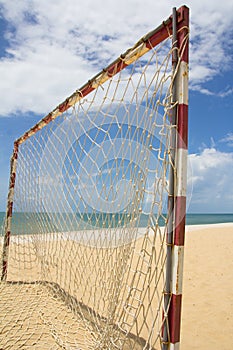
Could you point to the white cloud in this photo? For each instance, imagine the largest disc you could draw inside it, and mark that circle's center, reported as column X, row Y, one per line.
column 55, row 47
column 228, row 139
column 228, row 91
column 27, row 88
column 205, row 91
column 212, row 175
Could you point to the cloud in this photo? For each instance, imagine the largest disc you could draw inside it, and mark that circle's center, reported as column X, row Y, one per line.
column 211, row 38
column 226, row 92
column 228, row 139
column 55, row 47
column 212, row 174
column 27, row 88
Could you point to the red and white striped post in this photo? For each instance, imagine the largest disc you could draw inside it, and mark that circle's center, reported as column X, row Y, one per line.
column 177, row 183
column 180, row 180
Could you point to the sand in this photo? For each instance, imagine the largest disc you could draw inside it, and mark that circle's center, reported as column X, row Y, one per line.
column 207, row 311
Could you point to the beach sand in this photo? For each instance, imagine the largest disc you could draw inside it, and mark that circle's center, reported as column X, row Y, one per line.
column 207, row 310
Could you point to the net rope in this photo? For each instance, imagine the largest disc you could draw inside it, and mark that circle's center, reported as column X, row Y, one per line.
column 87, row 250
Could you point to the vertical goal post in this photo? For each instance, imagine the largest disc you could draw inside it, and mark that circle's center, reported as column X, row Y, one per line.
column 127, row 333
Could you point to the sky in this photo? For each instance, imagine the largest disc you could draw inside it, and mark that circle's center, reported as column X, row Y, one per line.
column 48, row 49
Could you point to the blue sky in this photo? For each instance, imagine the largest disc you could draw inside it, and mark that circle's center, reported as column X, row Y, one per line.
column 49, row 49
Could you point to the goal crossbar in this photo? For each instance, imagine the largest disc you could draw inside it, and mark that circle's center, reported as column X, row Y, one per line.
column 145, row 44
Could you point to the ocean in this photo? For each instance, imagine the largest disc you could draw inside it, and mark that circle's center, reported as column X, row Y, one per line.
column 31, row 222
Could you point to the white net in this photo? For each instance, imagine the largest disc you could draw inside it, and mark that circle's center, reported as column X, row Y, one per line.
column 87, row 251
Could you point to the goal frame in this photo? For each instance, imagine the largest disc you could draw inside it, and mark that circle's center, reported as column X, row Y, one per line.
column 178, row 26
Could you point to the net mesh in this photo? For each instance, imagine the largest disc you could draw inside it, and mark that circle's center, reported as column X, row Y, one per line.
column 87, row 248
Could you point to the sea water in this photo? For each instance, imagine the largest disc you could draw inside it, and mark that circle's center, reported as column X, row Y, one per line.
column 42, row 222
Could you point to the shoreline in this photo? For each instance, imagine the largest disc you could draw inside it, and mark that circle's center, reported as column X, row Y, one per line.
column 190, row 228
column 141, row 231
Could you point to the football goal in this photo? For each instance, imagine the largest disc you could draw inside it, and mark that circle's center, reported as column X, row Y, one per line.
column 93, row 241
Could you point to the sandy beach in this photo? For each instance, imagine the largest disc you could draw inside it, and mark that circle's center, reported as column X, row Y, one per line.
column 207, row 311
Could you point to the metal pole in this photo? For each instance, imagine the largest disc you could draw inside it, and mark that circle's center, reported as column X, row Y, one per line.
column 176, row 243
column 6, row 242
column 171, row 194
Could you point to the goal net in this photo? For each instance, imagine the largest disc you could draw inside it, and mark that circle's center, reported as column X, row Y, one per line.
column 85, row 260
